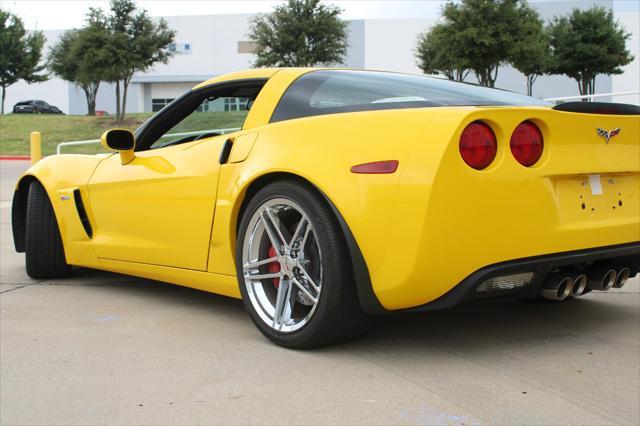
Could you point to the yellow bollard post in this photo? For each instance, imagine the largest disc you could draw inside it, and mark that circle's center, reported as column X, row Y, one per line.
column 36, row 147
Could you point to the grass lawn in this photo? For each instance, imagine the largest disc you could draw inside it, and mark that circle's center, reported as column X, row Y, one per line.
column 15, row 129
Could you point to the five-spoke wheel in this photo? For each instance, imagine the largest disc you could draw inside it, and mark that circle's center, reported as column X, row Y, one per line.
column 282, row 265
column 294, row 268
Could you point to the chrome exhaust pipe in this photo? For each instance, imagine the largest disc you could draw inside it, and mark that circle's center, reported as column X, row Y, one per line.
column 556, row 287
column 622, row 277
column 579, row 284
column 601, row 279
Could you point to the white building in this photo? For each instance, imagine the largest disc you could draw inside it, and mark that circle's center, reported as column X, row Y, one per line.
column 210, row 45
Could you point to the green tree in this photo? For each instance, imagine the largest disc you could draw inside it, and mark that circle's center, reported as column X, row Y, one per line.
column 301, row 33
column 479, row 34
column 437, row 53
column 588, row 43
column 530, row 54
column 83, row 57
column 20, row 53
column 136, row 43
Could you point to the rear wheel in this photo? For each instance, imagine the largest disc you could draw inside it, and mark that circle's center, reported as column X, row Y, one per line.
column 294, row 269
column 44, row 251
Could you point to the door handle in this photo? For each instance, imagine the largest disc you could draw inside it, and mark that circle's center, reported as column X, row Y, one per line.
column 226, row 151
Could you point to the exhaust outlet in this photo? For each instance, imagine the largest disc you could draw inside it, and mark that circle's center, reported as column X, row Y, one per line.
column 556, row 287
column 579, row 284
column 601, row 279
column 622, row 277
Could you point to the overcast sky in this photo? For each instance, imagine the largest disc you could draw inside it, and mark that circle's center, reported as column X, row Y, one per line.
column 52, row 14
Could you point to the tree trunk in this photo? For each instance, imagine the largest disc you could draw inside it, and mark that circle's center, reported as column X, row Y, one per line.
column 87, row 95
column 492, row 76
column 531, row 78
column 480, row 77
column 94, row 95
column 118, row 100
column 461, row 74
column 125, row 82
column 582, row 86
column 90, row 92
column 485, row 78
column 4, row 95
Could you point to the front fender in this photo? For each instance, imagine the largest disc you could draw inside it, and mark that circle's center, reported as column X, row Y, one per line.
column 60, row 175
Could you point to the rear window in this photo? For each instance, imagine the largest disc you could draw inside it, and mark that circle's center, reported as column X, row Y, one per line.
column 336, row 91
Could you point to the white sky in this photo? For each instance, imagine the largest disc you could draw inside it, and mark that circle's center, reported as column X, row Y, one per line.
column 63, row 14
column 54, row 14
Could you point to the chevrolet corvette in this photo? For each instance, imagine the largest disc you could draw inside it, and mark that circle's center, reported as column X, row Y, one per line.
column 344, row 194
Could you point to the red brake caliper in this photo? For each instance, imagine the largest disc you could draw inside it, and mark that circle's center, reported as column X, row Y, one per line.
column 274, row 267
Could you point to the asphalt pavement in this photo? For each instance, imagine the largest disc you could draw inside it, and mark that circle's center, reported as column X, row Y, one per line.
column 102, row 348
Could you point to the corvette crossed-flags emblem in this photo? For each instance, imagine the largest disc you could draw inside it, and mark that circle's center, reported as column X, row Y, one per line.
column 607, row 135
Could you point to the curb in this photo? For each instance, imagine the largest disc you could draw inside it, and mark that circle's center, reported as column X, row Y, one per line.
column 15, row 157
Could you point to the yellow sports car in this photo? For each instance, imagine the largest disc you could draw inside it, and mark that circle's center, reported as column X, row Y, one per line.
column 343, row 194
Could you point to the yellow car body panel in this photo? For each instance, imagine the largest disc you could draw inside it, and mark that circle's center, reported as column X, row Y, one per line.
column 458, row 208
column 172, row 214
column 167, row 199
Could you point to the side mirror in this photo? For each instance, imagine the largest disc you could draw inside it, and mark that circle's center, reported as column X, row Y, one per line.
column 121, row 140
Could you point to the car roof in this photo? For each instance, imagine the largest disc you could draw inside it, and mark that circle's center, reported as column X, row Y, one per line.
column 256, row 73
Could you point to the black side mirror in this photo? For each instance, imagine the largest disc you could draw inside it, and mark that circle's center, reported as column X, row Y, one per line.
column 120, row 140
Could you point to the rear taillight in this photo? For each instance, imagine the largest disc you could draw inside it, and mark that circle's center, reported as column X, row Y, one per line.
column 478, row 145
column 526, row 143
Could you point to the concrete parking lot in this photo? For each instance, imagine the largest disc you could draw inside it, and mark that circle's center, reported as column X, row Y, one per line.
column 102, row 348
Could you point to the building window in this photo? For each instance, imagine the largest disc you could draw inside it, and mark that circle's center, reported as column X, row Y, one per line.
column 235, row 104
column 180, row 48
column 207, row 106
column 158, row 103
column 247, row 47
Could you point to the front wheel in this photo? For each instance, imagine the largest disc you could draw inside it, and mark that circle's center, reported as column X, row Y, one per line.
column 294, row 269
column 43, row 245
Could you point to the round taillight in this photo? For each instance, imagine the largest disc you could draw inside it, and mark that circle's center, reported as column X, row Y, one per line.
column 478, row 145
column 526, row 143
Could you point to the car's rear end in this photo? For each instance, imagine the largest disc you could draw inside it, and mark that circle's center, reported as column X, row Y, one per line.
column 487, row 192
column 552, row 208
column 23, row 108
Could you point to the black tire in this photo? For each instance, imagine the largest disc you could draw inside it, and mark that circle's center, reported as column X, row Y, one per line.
column 44, row 251
column 338, row 316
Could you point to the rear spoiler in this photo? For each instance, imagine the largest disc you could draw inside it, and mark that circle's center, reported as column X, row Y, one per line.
column 598, row 108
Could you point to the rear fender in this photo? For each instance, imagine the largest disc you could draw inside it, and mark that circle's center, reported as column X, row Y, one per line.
column 467, row 219
column 321, row 150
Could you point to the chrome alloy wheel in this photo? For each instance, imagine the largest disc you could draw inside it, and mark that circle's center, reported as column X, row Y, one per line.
column 282, row 265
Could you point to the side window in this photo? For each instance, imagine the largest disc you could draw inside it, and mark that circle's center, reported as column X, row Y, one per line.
column 199, row 114
column 339, row 91
column 158, row 103
column 211, row 118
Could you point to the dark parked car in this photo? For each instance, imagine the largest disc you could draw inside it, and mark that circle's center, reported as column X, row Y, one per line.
column 35, row 107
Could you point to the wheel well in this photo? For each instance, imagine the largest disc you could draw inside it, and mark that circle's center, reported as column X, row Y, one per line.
column 368, row 299
column 19, row 212
column 260, row 183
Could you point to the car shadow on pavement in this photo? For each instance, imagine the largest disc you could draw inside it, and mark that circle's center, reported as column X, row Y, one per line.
column 472, row 327
column 494, row 325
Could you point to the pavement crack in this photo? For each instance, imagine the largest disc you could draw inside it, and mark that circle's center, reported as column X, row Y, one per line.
column 22, row 286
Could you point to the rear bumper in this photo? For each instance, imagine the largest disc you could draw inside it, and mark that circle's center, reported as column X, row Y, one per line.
column 624, row 254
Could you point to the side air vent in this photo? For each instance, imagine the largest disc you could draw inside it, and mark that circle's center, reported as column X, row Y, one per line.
column 598, row 108
column 82, row 213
